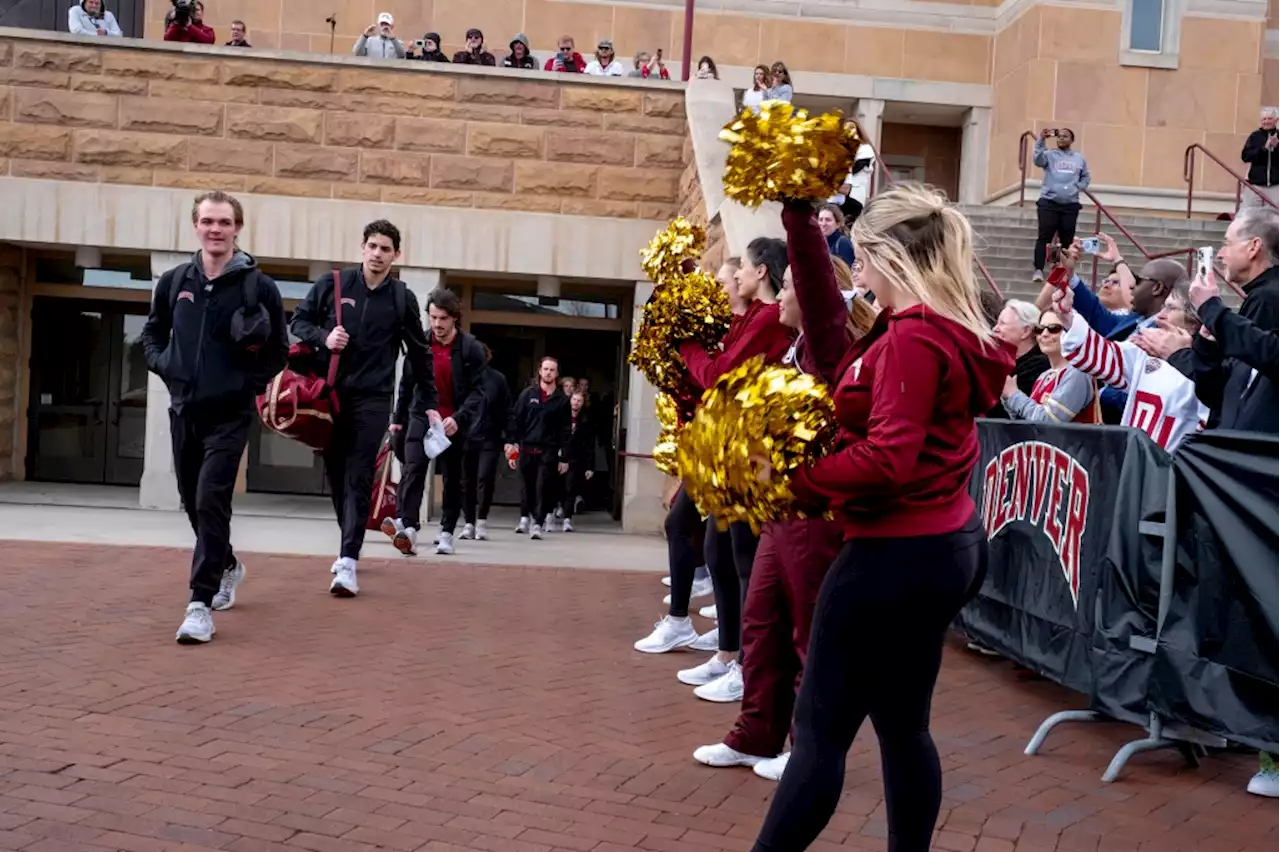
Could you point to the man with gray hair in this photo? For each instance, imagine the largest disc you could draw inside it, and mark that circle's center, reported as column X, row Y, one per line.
column 1261, row 151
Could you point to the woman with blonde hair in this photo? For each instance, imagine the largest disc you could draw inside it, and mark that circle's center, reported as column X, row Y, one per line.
column 915, row 550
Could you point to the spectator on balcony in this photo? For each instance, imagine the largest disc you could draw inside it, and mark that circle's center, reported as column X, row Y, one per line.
column 605, row 64
column 779, row 83
column 378, row 41
column 707, row 69
column 1065, row 174
column 647, row 66
column 428, row 49
column 1062, row 394
column 1261, row 152
column 239, row 35
column 566, row 59
column 753, row 97
column 519, row 57
column 92, row 18
column 192, row 31
column 475, row 54
column 1017, row 325
column 831, row 223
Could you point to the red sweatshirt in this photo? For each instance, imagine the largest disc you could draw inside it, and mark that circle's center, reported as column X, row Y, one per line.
column 906, row 405
column 193, row 33
column 757, row 332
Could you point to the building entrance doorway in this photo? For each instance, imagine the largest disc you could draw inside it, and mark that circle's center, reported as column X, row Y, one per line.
column 87, row 413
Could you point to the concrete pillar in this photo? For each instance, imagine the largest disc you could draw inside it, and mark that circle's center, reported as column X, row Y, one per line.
column 642, row 510
column 159, row 486
column 869, row 114
column 975, row 143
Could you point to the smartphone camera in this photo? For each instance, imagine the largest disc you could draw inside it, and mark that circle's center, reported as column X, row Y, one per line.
column 1090, row 245
column 1205, row 262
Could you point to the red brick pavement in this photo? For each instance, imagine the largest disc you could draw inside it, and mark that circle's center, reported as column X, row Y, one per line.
column 455, row 708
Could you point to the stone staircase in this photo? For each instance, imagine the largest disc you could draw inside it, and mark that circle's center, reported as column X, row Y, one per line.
column 1007, row 235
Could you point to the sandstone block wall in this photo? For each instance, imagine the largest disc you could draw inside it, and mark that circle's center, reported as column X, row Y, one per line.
column 161, row 116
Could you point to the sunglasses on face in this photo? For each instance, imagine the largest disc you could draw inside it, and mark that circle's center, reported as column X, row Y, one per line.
column 1051, row 329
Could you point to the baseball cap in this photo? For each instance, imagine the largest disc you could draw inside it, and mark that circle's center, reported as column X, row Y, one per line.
column 605, row 44
column 474, row 33
column 386, row 18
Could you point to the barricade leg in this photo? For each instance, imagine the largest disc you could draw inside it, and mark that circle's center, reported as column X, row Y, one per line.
column 1057, row 719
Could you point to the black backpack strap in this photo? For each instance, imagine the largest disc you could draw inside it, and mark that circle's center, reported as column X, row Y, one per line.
column 180, row 274
column 398, row 293
column 249, row 286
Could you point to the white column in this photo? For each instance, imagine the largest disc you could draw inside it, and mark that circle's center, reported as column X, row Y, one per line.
column 870, row 116
column 975, row 142
column 159, row 486
column 642, row 510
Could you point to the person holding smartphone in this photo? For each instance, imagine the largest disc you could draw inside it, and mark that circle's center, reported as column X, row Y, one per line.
column 567, row 60
column 427, row 49
column 1065, row 173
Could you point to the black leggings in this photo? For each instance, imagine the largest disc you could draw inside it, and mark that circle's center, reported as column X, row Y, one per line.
column 1055, row 219
column 683, row 527
column 730, row 555
column 875, row 650
column 479, row 471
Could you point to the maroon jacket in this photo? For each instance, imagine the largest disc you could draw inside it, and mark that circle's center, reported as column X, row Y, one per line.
column 906, row 404
column 824, row 314
column 193, row 33
column 756, row 332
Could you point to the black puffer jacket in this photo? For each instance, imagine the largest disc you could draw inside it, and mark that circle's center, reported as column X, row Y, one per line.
column 540, row 422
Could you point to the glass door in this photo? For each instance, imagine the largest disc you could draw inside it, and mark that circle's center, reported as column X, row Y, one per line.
column 127, row 402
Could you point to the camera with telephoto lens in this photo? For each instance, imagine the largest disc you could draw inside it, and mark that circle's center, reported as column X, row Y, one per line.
column 183, row 10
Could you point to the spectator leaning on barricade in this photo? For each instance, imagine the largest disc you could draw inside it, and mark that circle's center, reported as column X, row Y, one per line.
column 707, row 69
column 1017, row 325
column 185, row 23
column 753, row 97
column 475, row 54
column 1262, row 153
column 649, row 66
column 567, row 59
column 239, row 35
column 520, row 57
column 378, row 41
column 1065, row 173
column 779, row 84
column 604, row 63
column 1062, row 394
column 92, row 18
column 427, row 49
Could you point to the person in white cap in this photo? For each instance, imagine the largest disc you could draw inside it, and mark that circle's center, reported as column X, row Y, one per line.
column 605, row 64
column 378, row 40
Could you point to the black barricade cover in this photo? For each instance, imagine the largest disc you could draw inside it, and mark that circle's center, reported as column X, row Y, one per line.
column 1215, row 665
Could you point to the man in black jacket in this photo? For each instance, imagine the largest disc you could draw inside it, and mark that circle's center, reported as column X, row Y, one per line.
column 1262, row 153
column 537, row 440
column 483, row 447
column 216, row 335
column 379, row 317
column 457, row 369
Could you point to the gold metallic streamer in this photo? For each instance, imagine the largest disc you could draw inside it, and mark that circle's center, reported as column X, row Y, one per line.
column 753, row 412
column 679, row 241
column 782, row 153
column 683, row 307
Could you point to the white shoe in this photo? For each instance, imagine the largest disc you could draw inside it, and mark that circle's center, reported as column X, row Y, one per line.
column 1038, row 277
column 709, row 641
column 406, row 541
column 548, row 523
column 444, row 547
column 197, row 628
column 708, row 611
column 1265, row 783
column 711, row 670
column 721, row 755
column 668, row 634
column 231, row 578
column 535, row 532
column 567, row 526
column 701, row 589
column 344, row 579
column 391, row 526
column 523, row 526
column 559, row 512
column 666, row 581
column 725, row 690
column 468, row 532
column 482, row 530
column 772, row 768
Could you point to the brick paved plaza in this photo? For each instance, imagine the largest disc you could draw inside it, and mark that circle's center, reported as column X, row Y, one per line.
column 454, row 707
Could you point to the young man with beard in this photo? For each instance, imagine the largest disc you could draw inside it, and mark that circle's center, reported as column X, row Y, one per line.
column 537, row 440
column 216, row 335
column 379, row 318
column 458, row 367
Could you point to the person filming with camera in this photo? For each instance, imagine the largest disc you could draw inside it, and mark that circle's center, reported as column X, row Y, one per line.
column 378, row 41
column 185, row 22
column 1065, row 174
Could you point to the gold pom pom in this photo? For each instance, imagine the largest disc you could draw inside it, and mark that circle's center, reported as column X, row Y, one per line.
column 681, row 239
column 782, row 153
column 666, row 411
column 684, row 307
column 753, row 412
column 664, row 452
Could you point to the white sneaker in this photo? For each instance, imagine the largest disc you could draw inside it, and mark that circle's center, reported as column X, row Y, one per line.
column 666, row 581
column 721, row 755
column 725, row 690
column 344, row 579
column 468, row 532
column 711, row 670
column 709, row 641
column 701, row 589
column 523, row 526
column 444, row 547
column 391, row 526
column 708, row 611
column 668, row 634
column 559, row 512
column 231, row 578
column 772, row 768
column 197, row 628
column 406, row 541
column 1265, row 783
column 535, row 532
column 482, row 530
column 567, row 526
column 548, row 523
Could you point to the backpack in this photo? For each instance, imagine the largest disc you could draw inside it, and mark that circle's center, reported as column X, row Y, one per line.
column 250, row 324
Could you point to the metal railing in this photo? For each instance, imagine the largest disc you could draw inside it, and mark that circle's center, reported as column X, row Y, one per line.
column 1189, row 175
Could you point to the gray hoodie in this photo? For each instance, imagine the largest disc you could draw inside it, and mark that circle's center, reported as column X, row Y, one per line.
column 1065, row 173
column 379, row 47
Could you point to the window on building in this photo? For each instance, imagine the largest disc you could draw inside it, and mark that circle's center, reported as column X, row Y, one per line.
column 1146, row 28
column 1150, row 33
